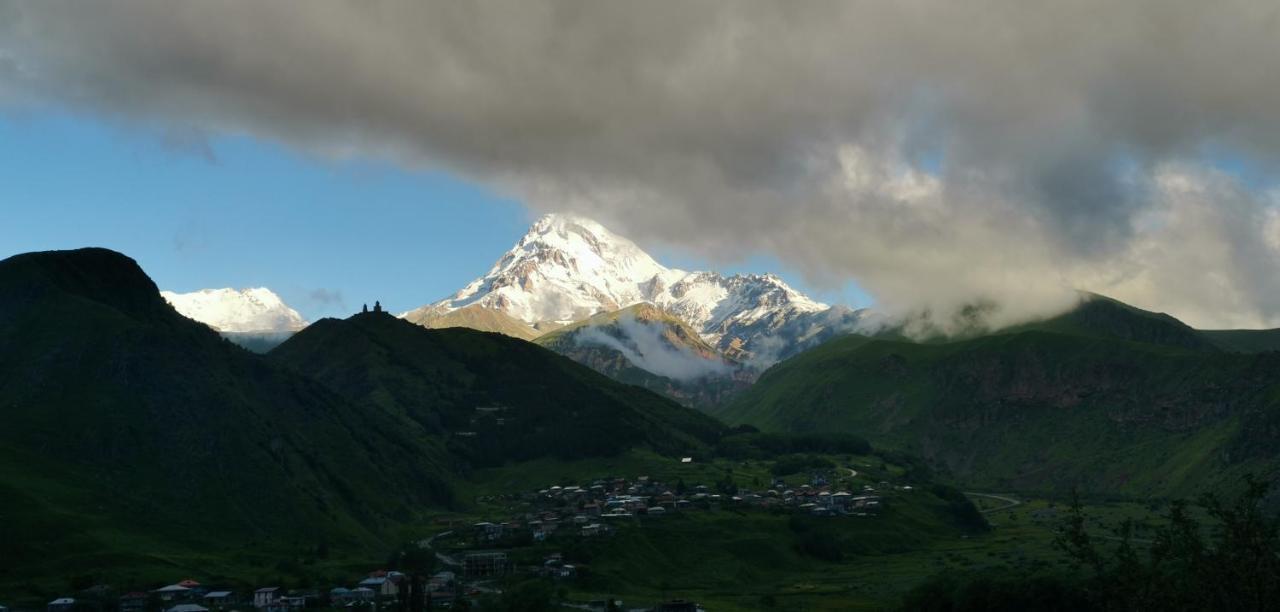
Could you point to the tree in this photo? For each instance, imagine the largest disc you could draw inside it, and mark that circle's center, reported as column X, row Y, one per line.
column 726, row 485
column 1236, row 568
column 530, row 596
column 1230, row 562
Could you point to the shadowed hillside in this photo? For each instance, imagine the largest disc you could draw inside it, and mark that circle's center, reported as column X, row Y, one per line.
column 126, row 422
column 494, row 397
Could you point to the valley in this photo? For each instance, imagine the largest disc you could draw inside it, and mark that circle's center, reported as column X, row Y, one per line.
column 831, row 480
column 557, row 305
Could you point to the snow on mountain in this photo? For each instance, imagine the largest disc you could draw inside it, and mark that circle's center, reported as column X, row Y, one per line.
column 567, row 268
column 564, row 270
column 245, row 310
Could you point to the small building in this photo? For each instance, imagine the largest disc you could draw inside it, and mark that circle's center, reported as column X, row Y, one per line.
column 133, row 602
column 62, row 604
column 188, row 607
column 288, row 602
column 565, row 572
column 172, row 593
column 488, row 532
column 339, row 596
column 363, row 594
column 264, row 597
column 377, row 584
column 482, row 565
column 382, row 586
column 221, row 600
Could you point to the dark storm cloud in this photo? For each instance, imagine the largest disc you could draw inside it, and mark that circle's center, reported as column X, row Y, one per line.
column 1073, row 137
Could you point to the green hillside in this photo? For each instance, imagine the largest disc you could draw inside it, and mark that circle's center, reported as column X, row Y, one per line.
column 494, row 397
column 1107, row 397
column 1244, row 340
column 1100, row 316
column 134, row 438
column 669, row 335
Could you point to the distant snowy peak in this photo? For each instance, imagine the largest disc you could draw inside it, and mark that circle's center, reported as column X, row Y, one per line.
column 231, row 310
column 568, row 268
column 718, row 305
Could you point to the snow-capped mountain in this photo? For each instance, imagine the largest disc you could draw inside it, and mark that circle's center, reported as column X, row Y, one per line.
column 568, row 268
column 254, row 310
column 565, row 269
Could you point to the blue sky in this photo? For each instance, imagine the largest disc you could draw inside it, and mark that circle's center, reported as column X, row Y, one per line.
column 326, row 235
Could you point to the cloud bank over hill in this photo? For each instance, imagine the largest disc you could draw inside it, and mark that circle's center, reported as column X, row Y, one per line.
column 940, row 153
column 644, row 346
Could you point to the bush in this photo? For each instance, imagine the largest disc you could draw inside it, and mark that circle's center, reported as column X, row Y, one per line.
column 1188, row 566
column 742, row 444
column 978, row 592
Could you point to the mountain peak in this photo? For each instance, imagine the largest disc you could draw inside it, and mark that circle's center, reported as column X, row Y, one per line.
column 256, row 309
column 567, row 268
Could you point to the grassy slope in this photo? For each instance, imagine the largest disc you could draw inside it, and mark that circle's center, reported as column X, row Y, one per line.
column 1244, row 340
column 135, row 439
column 435, row 379
column 1071, row 401
column 475, row 317
column 676, row 331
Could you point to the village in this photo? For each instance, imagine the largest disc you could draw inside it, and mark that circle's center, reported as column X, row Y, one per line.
column 594, row 509
column 473, row 559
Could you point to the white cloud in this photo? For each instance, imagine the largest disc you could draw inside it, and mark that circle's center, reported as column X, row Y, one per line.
column 643, row 344
column 798, row 129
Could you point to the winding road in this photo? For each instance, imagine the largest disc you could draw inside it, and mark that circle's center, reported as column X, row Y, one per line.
column 429, row 545
column 1009, row 501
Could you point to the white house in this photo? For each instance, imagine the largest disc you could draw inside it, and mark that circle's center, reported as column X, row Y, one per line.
column 263, row 598
column 382, row 586
column 172, row 592
column 62, row 604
